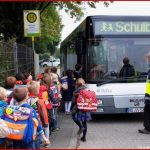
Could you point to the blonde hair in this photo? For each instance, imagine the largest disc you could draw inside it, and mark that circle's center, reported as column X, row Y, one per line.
column 80, row 82
column 3, row 93
column 33, row 87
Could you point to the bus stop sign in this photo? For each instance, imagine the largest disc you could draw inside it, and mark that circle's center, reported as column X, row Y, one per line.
column 31, row 23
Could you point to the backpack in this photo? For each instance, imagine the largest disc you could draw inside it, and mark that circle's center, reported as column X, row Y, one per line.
column 41, row 91
column 53, row 95
column 43, row 94
column 87, row 101
column 64, row 83
column 4, row 130
column 39, row 106
column 21, row 122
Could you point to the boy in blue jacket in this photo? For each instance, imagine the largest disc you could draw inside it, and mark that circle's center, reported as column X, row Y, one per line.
column 20, row 95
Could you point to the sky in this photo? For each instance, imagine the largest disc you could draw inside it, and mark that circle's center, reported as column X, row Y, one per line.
column 134, row 8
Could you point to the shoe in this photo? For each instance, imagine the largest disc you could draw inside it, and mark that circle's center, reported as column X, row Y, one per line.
column 56, row 129
column 80, row 131
column 83, row 139
column 68, row 113
column 144, row 131
column 42, row 144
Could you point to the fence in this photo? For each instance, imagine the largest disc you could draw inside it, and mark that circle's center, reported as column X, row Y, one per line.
column 15, row 58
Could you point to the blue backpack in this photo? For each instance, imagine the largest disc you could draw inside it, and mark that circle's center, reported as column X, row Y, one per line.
column 21, row 122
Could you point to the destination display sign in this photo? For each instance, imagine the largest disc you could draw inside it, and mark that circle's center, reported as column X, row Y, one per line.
column 121, row 28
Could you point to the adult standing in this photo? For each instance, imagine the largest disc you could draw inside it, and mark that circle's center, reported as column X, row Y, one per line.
column 78, row 71
column 146, row 129
column 67, row 93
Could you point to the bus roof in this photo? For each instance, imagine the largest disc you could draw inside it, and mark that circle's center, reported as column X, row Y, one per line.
column 82, row 28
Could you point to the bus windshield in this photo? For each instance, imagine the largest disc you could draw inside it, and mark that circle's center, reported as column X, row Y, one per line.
column 105, row 57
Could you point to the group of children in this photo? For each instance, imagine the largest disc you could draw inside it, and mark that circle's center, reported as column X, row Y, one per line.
column 42, row 97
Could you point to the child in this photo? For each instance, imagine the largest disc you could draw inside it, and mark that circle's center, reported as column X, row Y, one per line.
column 10, row 84
column 54, row 70
column 3, row 105
column 45, row 82
column 47, row 70
column 78, row 116
column 67, row 93
column 28, row 77
column 20, row 95
column 43, row 94
column 78, row 71
column 39, row 106
column 55, row 97
column 20, row 79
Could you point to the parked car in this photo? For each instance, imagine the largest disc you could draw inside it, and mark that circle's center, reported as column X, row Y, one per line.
column 41, row 61
column 51, row 63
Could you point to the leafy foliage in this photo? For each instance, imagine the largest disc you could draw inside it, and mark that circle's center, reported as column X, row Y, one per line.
column 11, row 23
column 51, row 27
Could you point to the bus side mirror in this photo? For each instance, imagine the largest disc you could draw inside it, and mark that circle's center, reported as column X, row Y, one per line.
column 79, row 47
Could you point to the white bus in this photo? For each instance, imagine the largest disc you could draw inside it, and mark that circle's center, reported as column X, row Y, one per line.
column 99, row 44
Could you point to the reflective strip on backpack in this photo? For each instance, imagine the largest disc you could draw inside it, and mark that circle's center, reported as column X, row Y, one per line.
column 87, row 108
column 16, row 130
column 86, row 104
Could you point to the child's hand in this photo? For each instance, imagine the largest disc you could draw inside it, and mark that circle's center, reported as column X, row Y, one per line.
column 47, row 141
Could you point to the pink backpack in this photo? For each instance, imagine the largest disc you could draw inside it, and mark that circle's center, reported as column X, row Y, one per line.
column 87, row 101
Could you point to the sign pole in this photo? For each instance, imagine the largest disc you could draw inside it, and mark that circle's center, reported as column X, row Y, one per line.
column 32, row 30
column 33, row 43
column 34, row 55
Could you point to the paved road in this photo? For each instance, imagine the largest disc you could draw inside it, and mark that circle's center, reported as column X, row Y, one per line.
column 106, row 131
column 116, row 131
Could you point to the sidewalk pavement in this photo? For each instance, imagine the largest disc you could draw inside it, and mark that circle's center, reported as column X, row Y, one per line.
column 66, row 137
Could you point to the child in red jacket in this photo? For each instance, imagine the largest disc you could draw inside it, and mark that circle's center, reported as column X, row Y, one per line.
column 80, row 117
column 39, row 106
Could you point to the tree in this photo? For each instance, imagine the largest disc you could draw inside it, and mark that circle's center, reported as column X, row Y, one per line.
column 11, row 14
column 51, row 30
column 11, row 23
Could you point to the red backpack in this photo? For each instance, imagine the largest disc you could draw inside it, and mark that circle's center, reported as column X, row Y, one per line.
column 87, row 101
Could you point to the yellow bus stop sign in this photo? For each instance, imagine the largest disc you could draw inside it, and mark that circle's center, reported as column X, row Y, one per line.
column 32, row 23
column 31, row 17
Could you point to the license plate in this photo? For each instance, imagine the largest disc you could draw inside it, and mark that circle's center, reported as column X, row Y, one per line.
column 135, row 110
